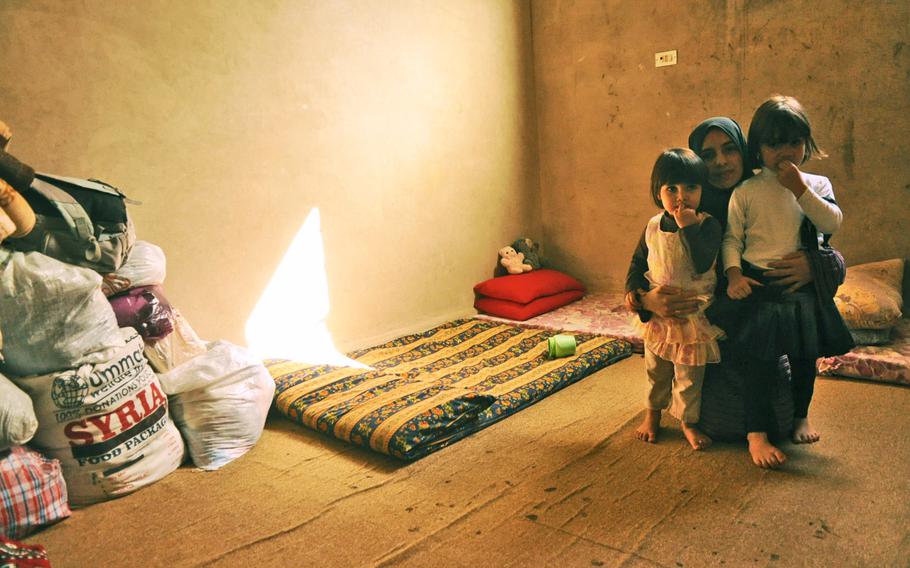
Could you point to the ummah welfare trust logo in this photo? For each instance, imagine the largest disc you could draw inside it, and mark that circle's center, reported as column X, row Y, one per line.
column 68, row 391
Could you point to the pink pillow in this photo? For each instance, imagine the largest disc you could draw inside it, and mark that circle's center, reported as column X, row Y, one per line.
column 520, row 312
column 528, row 286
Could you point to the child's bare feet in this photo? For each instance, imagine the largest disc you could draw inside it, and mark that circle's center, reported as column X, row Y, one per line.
column 647, row 432
column 764, row 453
column 803, row 432
column 697, row 439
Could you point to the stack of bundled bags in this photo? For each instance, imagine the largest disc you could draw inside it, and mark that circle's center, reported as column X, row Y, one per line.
column 104, row 386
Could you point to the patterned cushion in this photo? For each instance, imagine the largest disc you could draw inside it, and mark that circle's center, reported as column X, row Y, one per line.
column 870, row 298
column 888, row 363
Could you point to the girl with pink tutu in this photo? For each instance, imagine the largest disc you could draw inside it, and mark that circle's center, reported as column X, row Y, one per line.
column 678, row 248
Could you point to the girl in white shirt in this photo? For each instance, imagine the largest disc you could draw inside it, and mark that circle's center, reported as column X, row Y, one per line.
column 777, row 212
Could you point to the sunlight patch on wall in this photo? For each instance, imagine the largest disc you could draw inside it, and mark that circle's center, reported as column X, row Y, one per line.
column 288, row 321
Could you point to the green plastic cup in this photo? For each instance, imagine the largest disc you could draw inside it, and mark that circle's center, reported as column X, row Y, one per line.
column 561, row 346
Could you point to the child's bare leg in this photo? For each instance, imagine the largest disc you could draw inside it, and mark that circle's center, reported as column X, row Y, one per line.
column 660, row 377
column 647, row 432
column 687, row 396
column 803, row 384
column 803, row 432
column 764, row 453
column 697, row 439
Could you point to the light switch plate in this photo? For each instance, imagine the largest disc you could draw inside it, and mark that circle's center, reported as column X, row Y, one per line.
column 664, row 58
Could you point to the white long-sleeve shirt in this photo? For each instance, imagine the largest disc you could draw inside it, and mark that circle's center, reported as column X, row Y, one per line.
column 764, row 218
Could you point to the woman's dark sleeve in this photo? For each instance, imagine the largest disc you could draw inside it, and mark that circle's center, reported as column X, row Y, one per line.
column 635, row 277
column 828, row 270
column 703, row 240
column 15, row 173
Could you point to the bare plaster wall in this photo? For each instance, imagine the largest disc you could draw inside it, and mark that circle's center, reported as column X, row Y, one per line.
column 605, row 111
column 408, row 124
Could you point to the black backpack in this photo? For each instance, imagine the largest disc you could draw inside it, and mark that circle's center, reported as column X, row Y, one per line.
column 82, row 222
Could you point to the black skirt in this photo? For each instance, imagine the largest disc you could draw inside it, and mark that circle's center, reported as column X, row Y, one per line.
column 769, row 323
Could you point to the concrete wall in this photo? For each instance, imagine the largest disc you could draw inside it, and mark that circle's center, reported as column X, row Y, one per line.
column 414, row 128
column 605, row 111
column 409, row 126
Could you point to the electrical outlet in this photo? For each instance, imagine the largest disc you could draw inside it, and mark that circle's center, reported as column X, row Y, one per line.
column 664, row 58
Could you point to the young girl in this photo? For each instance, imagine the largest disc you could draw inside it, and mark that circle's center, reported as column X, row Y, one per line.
column 777, row 212
column 678, row 248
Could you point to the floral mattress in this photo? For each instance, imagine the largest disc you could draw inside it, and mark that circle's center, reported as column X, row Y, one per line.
column 889, row 363
column 427, row 390
column 598, row 313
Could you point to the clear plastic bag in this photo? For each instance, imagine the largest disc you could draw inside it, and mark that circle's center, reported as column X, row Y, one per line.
column 219, row 401
column 177, row 347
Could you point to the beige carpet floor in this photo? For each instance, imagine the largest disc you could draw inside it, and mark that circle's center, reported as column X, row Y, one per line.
column 562, row 483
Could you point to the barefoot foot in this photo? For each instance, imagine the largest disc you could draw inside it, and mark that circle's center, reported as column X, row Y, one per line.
column 803, row 432
column 647, row 432
column 697, row 439
column 764, row 453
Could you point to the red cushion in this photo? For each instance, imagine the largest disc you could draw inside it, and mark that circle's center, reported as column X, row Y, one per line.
column 520, row 312
column 527, row 286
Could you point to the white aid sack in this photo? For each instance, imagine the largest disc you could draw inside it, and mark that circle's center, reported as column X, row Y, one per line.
column 17, row 415
column 54, row 315
column 219, row 400
column 108, row 424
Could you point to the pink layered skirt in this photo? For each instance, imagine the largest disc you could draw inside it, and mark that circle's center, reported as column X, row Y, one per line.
column 691, row 340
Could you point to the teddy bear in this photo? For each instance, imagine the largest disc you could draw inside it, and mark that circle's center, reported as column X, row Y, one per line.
column 513, row 261
column 530, row 249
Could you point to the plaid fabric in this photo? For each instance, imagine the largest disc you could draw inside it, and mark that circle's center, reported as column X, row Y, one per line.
column 20, row 555
column 32, row 492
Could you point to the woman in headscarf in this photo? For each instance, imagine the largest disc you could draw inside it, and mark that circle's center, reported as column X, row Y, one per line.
column 721, row 144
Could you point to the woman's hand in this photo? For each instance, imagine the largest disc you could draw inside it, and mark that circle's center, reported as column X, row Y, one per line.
column 792, row 270
column 669, row 301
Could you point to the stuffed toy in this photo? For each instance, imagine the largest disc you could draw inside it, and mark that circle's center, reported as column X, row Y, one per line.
column 513, row 260
column 530, row 249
